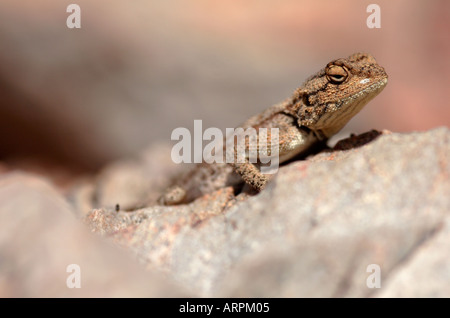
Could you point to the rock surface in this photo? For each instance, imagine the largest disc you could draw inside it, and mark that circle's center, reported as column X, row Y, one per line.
column 40, row 238
column 318, row 230
column 315, row 229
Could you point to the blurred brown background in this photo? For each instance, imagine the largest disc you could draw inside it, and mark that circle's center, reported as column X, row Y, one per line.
column 72, row 100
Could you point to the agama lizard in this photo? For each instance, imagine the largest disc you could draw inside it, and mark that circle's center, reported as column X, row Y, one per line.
column 316, row 111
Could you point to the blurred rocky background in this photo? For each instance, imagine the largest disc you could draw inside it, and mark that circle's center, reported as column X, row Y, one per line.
column 75, row 99
column 92, row 109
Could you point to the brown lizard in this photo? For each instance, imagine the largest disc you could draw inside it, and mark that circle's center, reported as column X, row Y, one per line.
column 316, row 111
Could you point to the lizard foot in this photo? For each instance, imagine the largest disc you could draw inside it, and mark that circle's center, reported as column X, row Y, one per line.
column 172, row 196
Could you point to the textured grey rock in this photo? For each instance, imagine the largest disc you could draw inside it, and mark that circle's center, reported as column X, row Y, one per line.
column 427, row 274
column 151, row 232
column 40, row 237
column 312, row 232
column 315, row 229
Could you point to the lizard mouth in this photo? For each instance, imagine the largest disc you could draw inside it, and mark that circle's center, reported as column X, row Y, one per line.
column 335, row 118
column 354, row 103
column 372, row 90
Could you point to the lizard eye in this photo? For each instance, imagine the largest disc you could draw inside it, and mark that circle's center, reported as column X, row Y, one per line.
column 336, row 74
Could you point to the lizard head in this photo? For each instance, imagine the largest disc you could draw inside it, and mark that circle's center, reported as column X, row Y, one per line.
column 330, row 98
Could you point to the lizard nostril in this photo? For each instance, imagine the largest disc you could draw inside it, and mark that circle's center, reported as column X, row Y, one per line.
column 305, row 100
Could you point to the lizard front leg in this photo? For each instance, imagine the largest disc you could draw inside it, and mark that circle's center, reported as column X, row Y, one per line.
column 251, row 174
column 291, row 141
